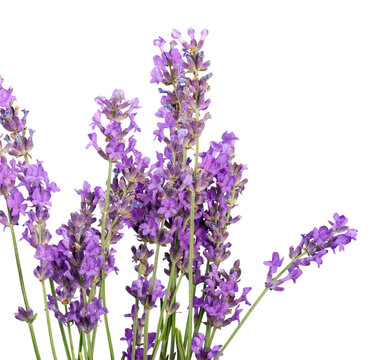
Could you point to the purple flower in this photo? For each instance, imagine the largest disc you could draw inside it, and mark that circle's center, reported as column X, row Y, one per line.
column 116, row 110
column 139, row 352
column 197, row 343
column 43, row 271
column 5, row 95
column 275, row 263
column 339, row 223
column 7, row 178
column 41, row 197
column 86, row 318
column 197, row 347
column 150, row 227
column 141, row 289
column 93, row 142
column 169, row 207
column 15, row 202
column 3, row 219
column 117, row 107
column 25, row 315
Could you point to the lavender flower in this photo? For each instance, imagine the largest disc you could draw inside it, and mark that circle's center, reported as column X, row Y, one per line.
column 116, row 109
column 141, row 290
column 25, row 315
column 197, row 347
column 15, row 202
column 220, row 296
column 315, row 245
column 5, row 95
column 86, row 318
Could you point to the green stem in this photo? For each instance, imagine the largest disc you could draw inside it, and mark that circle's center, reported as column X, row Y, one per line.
column 212, row 336
column 80, row 346
column 33, row 338
column 134, row 336
column 135, row 323
column 84, row 346
column 94, row 338
column 106, row 204
column 208, row 335
column 104, row 244
column 254, row 306
column 230, row 210
column 48, row 321
column 158, row 339
column 163, row 308
column 172, row 346
column 190, row 269
column 61, row 328
column 70, row 338
column 95, row 329
column 85, row 299
column 112, row 356
column 102, row 284
column 189, row 325
column 196, row 157
column 184, row 157
column 21, row 281
column 147, row 317
column 165, row 340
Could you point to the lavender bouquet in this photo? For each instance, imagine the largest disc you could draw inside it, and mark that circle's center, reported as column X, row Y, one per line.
column 180, row 207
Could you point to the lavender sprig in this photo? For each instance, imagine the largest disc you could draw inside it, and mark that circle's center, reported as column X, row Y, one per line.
column 312, row 248
column 17, row 145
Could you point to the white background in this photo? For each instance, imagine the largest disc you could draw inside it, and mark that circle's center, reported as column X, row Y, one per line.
column 303, row 84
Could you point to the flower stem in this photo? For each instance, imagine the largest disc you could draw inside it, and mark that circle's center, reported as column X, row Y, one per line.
column 158, row 339
column 184, row 158
column 212, row 336
column 189, row 326
column 70, row 337
column 172, row 346
column 21, row 281
column 48, row 321
column 84, row 346
column 80, row 346
column 32, row 333
column 112, row 356
column 135, row 322
column 104, row 244
column 94, row 338
column 134, row 336
column 62, row 330
column 254, row 305
column 163, row 308
column 85, row 301
column 147, row 317
column 208, row 335
column 145, row 341
column 106, row 204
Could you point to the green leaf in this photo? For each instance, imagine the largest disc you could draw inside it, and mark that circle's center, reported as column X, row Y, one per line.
column 33, row 319
column 178, row 337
